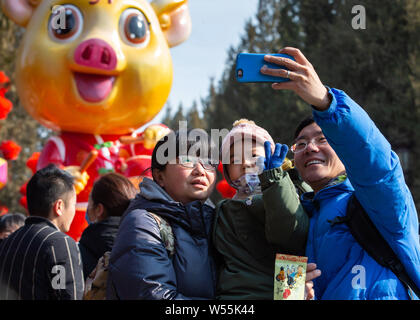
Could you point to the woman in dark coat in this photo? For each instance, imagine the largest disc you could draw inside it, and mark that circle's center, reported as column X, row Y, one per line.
column 142, row 265
column 109, row 198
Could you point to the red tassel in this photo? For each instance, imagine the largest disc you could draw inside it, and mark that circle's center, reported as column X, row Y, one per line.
column 225, row 189
column 220, row 167
column 10, row 150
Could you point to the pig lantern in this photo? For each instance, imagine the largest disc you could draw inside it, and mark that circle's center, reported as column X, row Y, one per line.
column 96, row 71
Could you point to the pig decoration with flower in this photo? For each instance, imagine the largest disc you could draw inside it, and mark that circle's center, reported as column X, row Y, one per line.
column 95, row 71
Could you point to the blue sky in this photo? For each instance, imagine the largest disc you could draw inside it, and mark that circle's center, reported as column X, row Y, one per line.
column 216, row 25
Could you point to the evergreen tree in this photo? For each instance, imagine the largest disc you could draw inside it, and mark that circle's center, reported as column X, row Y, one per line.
column 193, row 118
column 377, row 66
column 18, row 126
column 167, row 118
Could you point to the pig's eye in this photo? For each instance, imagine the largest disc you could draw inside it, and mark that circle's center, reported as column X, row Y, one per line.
column 65, row 22
column 134, row 27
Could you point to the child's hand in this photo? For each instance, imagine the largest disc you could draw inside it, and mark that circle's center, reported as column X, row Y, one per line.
column 276, row 159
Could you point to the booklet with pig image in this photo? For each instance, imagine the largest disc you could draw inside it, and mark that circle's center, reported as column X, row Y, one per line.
column 289, row 277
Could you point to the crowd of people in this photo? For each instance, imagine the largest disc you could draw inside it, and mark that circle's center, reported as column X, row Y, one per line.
column 170, row 241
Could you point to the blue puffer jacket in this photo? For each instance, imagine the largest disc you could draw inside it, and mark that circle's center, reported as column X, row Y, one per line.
column 140, row 267
column 376, row 177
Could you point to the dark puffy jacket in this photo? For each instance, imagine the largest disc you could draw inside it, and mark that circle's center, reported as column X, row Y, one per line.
column 140, row 267
column 96, row 239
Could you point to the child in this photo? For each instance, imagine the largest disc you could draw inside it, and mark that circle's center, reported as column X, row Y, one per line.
column 263, row 218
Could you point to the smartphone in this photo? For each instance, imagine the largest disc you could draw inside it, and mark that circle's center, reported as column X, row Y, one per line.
column 248, row 67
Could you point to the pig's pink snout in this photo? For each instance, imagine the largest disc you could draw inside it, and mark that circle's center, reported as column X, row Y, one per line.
column 96, row 53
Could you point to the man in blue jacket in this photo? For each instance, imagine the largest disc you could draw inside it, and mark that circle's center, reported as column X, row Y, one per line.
column 339, row 153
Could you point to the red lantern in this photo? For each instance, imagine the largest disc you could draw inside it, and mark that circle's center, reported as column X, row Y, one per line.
column 4, row 80
column 10, row 150
column 3, row 210
column 5, row 106
column 23, row 189
column 23, row 202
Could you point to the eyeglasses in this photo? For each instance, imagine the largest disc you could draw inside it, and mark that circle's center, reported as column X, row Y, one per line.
column 190, row 162
column 302, row 144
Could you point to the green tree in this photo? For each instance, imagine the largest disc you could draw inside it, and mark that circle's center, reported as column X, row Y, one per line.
column 377, row 66
column 276, row 25
column 18, row 126
column 167, row 118
column 194, row 119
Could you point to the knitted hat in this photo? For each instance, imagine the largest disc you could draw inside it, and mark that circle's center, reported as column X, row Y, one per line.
column 243, row 129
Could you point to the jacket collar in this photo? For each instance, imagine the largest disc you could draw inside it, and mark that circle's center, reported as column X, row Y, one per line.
column 194, row 216
column 310, row 200
column 150, row 190
column 38, row 220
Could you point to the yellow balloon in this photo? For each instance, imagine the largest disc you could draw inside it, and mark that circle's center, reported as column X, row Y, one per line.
column 107, row 71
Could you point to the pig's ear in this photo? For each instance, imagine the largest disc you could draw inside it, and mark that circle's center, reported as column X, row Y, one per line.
column 20, row 11
column 174, row 18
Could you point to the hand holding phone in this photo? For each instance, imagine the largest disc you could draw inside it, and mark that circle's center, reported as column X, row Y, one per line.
column 248, row 67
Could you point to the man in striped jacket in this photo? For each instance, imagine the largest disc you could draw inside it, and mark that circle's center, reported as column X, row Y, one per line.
column 39, row 261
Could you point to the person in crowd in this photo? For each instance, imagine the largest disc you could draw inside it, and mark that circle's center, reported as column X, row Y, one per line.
column 39, row 261
column 265, row 216
column 110, row 196
column 163, row 248
column 341, row 153
column 9, row 223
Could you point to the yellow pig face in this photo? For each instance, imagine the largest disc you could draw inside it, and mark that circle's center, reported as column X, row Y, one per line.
column 99, row 66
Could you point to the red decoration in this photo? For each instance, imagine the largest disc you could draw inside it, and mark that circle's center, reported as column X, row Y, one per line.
column 4, row 80
column 10, row 150
column 225, row 189
column 23, row 202
column 32, row 161
column 5, row 104
column 5, row 107
column 3, row 210
column 23, row 188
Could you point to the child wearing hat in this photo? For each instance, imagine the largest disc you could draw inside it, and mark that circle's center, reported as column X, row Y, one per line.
column 264, row 217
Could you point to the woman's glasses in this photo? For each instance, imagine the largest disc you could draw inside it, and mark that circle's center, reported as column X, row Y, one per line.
column 191, row 161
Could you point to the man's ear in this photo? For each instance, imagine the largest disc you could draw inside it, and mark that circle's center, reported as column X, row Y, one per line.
column 174, row 18
column 20, row 11
column 58, row 208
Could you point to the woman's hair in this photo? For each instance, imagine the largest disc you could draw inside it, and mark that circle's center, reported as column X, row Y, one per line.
column 114, row 192
column 11, row 219
column 194, row 142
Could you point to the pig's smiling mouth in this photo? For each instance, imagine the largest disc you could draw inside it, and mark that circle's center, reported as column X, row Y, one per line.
column 94, row 87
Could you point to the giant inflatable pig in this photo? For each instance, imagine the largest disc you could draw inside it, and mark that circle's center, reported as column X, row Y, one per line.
column 96, row 71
